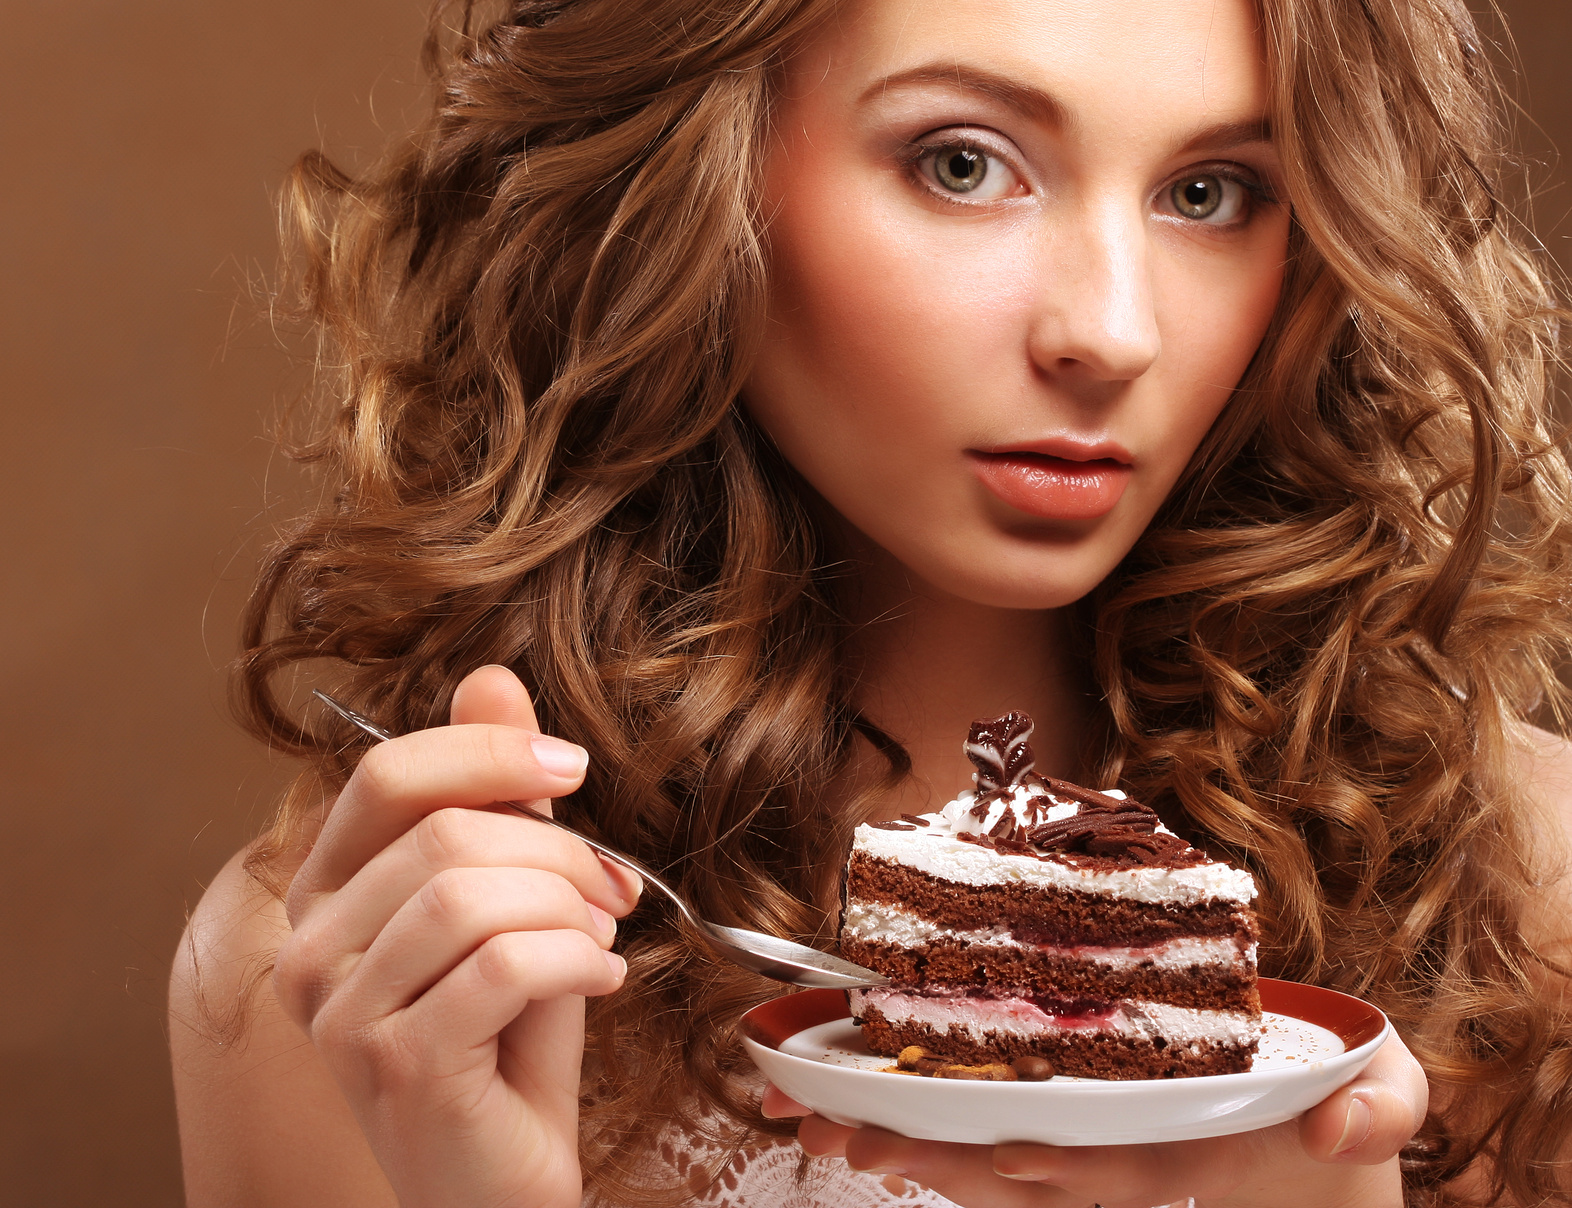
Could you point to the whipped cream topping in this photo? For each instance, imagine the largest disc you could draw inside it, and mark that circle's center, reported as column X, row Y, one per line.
column 940, row 854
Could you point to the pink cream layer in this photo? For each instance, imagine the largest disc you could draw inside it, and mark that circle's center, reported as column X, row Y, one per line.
column 1028, row 1018
column 1016, row 1015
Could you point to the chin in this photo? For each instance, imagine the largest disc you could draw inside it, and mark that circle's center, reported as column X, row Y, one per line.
column 1039, row 581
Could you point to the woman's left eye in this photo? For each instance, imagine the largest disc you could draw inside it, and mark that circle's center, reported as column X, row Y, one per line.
column 1210, row 198
column 965, row 170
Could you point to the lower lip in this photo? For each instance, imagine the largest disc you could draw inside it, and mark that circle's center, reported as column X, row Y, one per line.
column 1052, row 488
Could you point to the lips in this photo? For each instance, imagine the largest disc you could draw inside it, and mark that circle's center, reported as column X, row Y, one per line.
column 1053, row 486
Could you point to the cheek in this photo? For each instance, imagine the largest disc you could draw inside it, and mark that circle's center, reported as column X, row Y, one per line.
column 1211, row 342
column 870, row 328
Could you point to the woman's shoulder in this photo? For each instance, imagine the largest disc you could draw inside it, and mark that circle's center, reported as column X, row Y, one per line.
column 1544, row 765
column 237, row 923
column 261, row 1119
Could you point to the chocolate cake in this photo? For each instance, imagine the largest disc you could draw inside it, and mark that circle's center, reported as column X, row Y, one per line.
column 1035, row 918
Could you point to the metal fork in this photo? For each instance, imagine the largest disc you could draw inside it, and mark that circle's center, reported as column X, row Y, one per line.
column 783, row 960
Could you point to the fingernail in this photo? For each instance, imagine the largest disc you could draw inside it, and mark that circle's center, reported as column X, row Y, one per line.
column 602, row 920
column 558, row 757
column 1356, row 1129
column 617, row 878
column 1028, row 1163
column 879, row 1169
column 618, row 965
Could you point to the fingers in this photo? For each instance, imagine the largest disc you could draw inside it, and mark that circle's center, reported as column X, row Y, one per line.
column 1368, row 1121
column 452, row 1029
column 778, row 1105
column 400, row 782
column 1115, row 1175
column 455, row 913
column 456, row 839
column 963, row 1173
column 491, row 987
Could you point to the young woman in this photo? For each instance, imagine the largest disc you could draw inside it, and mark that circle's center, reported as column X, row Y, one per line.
column 774, row 386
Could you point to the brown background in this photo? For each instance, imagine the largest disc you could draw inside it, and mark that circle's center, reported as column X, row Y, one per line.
column 141, row 145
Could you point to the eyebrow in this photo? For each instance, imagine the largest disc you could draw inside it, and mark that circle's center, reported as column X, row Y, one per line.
column 1031, row 102
column 1232, row 134
column 1044, row 107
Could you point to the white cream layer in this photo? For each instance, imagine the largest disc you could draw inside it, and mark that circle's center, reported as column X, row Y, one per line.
column 877, row 923
column 935, row 850
column 1020, row 1017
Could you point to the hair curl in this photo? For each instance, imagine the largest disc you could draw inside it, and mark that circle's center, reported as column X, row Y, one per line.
column 1317, row 661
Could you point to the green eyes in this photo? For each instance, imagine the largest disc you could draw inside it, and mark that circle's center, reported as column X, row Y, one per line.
column 965, row 170
column 1209, row 198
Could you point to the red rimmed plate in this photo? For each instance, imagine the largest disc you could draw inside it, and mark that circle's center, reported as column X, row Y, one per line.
column 1316, row 1040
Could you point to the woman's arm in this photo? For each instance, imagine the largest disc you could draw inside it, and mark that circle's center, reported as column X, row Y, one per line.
column 1545, row 769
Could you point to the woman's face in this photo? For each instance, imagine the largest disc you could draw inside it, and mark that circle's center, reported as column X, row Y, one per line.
column 1021, row 253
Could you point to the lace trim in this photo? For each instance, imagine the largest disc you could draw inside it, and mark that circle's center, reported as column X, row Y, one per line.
column 776, row 1174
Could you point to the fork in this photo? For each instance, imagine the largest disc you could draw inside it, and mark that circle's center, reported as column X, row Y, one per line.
column 769, row 955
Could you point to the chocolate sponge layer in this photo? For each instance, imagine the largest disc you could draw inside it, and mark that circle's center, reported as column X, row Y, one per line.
column 1044, row 914
column 1080, row 1054
column 999, row 970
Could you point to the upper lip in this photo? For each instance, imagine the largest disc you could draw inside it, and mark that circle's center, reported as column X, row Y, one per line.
column 1064, row 448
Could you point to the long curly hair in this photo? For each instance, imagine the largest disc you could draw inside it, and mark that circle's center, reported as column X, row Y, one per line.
column 536, row 315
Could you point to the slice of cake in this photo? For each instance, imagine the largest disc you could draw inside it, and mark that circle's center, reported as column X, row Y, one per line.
column 1035, row 918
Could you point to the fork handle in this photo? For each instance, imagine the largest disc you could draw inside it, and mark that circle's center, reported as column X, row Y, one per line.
column 648, row 877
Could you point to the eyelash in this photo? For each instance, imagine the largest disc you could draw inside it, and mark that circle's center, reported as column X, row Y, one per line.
column 914, row 153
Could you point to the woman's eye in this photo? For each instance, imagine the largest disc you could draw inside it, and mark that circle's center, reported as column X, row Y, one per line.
column 965, row 170
column 1206, row 197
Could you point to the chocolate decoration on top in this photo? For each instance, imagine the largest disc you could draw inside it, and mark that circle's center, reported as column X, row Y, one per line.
column 1000, row 749
column 1105, row 828
column 1066, row 791
column 1108, row 827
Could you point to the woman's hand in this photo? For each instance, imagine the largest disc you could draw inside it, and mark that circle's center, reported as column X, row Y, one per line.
column 440, row 951
column 1342, row 1153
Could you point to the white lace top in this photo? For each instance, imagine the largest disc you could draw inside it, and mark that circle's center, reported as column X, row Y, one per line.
column 776, row 1174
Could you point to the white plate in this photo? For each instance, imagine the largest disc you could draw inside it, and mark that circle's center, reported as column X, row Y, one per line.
column 1316, row 1040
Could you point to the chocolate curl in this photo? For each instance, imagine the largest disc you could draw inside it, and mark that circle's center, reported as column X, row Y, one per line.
column 1117, row 828
column 1001, row 751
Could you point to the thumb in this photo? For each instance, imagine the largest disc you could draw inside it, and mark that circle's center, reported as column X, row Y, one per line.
column 1369, row 1120
column 493, row 695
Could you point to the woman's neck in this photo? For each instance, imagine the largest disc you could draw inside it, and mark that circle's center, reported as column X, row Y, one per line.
column 930, row 663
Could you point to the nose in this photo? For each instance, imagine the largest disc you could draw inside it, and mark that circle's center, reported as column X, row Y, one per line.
column 1095, row 318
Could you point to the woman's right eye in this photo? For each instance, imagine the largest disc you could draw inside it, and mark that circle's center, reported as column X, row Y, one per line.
column 965, row 170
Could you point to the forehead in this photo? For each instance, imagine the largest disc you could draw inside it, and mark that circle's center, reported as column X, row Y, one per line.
column 1135, row 63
